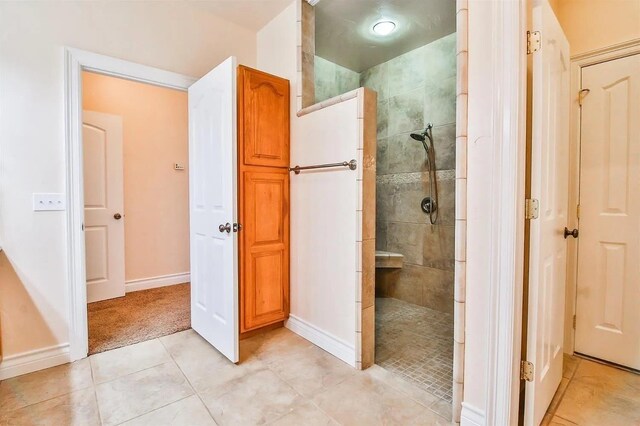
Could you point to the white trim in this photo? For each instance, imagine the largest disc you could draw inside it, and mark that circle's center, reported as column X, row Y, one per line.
column 155, row 282
column 617, row 51
column 75, row 62
column 39, row 359
column 506, row 214
column 472, row 416
column 335, row 346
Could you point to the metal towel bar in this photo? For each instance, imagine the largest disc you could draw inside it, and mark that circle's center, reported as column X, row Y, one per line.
column 352, row 165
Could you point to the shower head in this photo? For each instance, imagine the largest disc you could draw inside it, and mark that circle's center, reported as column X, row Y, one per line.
column 421, row 137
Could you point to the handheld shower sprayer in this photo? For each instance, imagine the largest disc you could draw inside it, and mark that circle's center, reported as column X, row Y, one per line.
column 429, row 204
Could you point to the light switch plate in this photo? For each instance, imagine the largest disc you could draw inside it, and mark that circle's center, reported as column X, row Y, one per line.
column 48, row 202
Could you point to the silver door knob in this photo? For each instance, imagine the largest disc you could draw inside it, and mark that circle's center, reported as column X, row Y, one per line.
column 225, row 228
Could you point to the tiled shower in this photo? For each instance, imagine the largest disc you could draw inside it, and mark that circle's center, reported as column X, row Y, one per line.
column 414, row 302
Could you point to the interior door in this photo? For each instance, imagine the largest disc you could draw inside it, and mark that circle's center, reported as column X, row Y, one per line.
column 608, row 296
column 103, row 205
column 212, row 208
column 549, row 185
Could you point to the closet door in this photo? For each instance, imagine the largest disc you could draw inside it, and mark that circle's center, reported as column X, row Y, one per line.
column 265, row 289
column 263, row 137
column 264, row 118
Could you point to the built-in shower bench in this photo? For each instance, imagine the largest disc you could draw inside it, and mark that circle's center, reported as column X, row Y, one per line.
column 387, row 259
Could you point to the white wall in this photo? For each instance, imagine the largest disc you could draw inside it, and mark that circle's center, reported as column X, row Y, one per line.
column 323, row 204
column 175, row 36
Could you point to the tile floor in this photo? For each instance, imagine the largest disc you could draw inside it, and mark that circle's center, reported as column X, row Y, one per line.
column 416, row 343
column 181, row 380
column 593, row 394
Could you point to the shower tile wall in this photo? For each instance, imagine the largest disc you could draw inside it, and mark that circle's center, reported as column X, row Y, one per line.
column 332, row 79
column 414, row 89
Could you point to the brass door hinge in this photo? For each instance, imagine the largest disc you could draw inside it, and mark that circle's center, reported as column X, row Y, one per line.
column 531, row 208
column 578, row 211
column 582, row 94
column 574, row 322
column 526, row 371
column 533, row 41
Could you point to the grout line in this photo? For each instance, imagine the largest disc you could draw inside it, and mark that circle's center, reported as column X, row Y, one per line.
column 195, row 392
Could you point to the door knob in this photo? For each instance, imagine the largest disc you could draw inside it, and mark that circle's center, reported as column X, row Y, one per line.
column 567, row 233
column 117, row 216
column 226, row 227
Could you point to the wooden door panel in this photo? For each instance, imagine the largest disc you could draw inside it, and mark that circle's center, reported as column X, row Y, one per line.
column 265, row 247
column 263, row 112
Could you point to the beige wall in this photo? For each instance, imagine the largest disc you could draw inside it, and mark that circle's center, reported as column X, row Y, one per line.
column 594, row 24
column 156, row 197
column 178, row 36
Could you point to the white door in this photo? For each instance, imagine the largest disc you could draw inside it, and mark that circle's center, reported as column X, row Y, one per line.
column 103, row 205
column 608, row 296
column 213, row 198
column 549, row 185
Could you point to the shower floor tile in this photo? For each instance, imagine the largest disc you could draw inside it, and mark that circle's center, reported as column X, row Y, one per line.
column 416, row 343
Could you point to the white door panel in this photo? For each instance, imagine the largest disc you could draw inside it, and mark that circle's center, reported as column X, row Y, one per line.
column 213, row 200
column 549, row 185
column 608, row 296
column 103, row 198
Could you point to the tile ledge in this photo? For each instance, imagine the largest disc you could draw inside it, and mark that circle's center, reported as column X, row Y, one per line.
column 331, row 101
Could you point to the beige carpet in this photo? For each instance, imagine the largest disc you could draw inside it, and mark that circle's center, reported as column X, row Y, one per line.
column 138, row 316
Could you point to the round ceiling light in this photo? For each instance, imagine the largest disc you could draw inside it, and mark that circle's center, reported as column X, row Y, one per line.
column 384, row 28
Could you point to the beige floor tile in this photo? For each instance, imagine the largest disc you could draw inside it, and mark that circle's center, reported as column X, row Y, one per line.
column 362, row 399
column 609, row 380
column 256, row 398
column 443, row 408
column 590, row 404
column 120, row 362
column 569, row 365
column 36, row 387
column 206, row 368
column 311, row 370
column 307, row 414
column 559, row 421
column 270, row 347
column 189, row 411
column 76, row 408
column 139, row 393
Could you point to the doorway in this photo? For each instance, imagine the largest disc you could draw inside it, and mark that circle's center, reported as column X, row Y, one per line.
column 607, row 321
column 136, row 210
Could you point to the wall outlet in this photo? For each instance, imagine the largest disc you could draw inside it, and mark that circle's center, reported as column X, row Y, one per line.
column 48, row 202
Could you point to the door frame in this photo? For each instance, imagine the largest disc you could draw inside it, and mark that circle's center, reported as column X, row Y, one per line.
column 76, row 61
column 578, row 62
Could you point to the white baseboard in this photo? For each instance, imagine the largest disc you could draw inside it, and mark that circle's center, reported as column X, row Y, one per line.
column 155, row 282
column 335, row 346
column 472, row 416
column 39, row 359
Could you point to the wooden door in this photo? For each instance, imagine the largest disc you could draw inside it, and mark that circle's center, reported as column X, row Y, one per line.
column 103, row 205
column 608, row 296
column 263, row 116
column 263, row 137
column 549, row 185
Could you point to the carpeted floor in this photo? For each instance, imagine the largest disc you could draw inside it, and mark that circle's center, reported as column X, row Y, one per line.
column 138, row 316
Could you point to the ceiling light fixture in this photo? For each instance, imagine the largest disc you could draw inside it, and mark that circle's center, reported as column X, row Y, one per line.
column 384, row 28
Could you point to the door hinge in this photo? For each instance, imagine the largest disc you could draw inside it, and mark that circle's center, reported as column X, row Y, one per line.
column 533, row 41
column 531, row 208
column 526, row 371
column 574, row 322
column 578, row 211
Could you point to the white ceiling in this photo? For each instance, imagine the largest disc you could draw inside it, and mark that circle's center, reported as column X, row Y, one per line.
column 250, row 14
column 344, row 36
